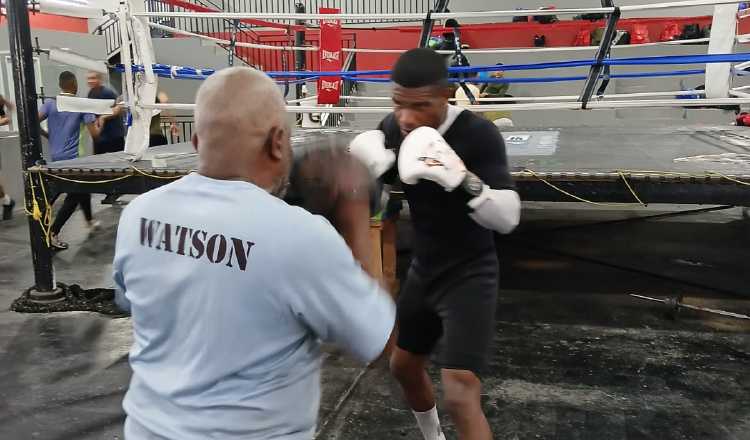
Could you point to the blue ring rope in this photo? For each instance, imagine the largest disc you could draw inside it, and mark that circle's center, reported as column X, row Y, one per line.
column 165, row 71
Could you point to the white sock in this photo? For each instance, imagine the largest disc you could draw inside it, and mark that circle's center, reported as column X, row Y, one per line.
column 6, row 200
column 429, row 424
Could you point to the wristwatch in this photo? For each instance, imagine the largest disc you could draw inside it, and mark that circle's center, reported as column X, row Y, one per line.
column 472, row 184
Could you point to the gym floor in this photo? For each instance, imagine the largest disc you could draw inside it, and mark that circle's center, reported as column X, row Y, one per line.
column 574, row 356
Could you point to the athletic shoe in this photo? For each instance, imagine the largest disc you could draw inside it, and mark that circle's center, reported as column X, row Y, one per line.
column 111, row 199
column 56, row 244
column 93, row 225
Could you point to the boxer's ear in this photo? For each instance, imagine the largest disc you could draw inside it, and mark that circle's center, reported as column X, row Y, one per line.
column 446, row 92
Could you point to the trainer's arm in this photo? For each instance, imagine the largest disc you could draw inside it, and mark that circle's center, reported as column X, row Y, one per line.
column 118, row 264
column 336, row 299
column 335, row 185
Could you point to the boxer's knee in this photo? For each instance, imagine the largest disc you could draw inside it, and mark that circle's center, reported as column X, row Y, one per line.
column 461, row 392
column 408, row 368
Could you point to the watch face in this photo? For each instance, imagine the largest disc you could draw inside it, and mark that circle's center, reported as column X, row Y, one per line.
column 474, row 185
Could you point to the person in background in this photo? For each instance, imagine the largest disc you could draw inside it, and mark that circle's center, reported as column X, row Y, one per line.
column 5, row 200
column 156, row 134
column 63, row 131
column 112, row 128
column 496, row 90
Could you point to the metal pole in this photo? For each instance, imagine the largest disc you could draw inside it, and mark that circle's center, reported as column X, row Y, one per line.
column 427, row 24
column 604, row 49
column 21, row 51
column 233, row 42
column 299, row 41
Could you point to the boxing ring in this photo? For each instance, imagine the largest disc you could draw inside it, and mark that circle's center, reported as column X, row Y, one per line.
column 675, row 165
column 636, row 163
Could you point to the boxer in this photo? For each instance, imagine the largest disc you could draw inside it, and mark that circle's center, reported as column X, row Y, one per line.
column 454, row 172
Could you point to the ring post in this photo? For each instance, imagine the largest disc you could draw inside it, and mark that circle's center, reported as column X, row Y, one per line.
column 603, row 52
column 31, row 146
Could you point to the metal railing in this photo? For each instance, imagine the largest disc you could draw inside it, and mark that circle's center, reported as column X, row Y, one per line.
column 346, row 6
column 198, row 25
column 263, row 59
column 110, row 30
column 182, row 131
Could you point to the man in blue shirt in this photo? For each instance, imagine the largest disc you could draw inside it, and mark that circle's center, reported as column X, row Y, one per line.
column 112, row 130
column 63, row 132
column 112, row 136
column 231, row 289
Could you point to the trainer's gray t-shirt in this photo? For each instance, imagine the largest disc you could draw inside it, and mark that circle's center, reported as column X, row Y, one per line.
column 231, row 292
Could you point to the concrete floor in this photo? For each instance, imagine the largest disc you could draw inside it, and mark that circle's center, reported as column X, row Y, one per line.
column 574, row 356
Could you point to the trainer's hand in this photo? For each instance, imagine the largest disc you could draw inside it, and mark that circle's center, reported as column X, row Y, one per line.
column 336, row 185
column 424, row 154
column 369, row 148
column 326, row 177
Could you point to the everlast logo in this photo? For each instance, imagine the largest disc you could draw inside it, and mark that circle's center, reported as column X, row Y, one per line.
column 195, row 243
column 329, row 85
column 330, row 56
column 330, row 23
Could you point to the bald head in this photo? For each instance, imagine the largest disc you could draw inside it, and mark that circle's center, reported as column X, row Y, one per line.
column 240, row 128
column 237, row 104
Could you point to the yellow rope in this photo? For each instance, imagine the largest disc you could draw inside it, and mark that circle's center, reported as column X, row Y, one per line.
column 580, row 199
column 44, row 223
column 87, row 182
column 731, row 179
column 115, row 179
column 630, row 188
column 661, row 173
column 632, row 191
column 47, row 214
column 155, row 176
column 36, row 213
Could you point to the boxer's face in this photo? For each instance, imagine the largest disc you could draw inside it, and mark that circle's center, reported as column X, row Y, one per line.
column 93, row 80
column 419, row 106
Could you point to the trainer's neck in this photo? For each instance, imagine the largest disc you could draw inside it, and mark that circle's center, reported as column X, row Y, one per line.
column 229, row 174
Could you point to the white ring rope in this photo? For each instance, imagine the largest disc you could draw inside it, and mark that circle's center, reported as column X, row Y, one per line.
column 595, row 105
column 553, row 98
column 437, row 16
column 227, row 42
column 370, row 17
column 531, row 50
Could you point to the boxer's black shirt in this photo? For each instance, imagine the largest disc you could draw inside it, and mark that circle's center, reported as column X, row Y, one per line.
column 444, row 232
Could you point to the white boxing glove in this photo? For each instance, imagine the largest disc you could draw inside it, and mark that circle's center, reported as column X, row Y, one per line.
column 369, row 148
column 496, row 209
column 424, row 154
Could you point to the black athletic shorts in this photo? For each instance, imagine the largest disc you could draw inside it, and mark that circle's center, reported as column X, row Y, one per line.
column 450, row 311
column 109, row 146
